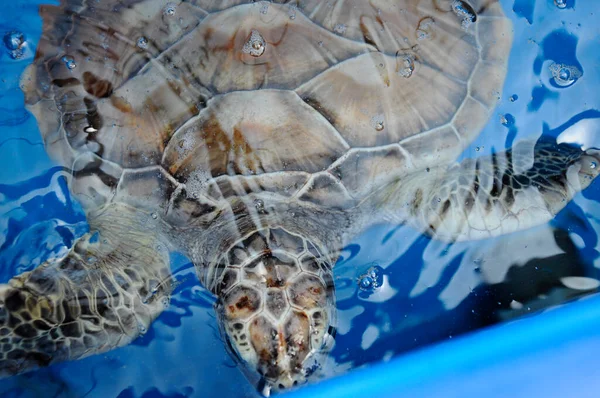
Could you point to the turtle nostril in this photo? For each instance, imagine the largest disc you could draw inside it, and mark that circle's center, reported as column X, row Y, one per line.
column 281, row 386
column 295, row 382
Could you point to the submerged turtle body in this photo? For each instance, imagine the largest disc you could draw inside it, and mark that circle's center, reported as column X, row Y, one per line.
column 354, row 88
column 257, row 138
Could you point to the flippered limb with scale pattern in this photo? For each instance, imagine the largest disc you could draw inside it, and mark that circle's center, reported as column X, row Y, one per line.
column 103, row 294
column 525, row 186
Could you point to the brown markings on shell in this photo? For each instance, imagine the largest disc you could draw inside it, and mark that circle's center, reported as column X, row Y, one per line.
column 418, row 198
column 241, row 302
column 307, row 292
column 220, row 148
column 265, row 339
column 242, row 146
column 297, row 330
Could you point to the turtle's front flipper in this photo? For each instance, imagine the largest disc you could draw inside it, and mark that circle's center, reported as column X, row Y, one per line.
column 524, row 186
column 102, row 295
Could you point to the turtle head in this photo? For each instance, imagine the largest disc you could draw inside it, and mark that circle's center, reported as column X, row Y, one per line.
column 276, row 308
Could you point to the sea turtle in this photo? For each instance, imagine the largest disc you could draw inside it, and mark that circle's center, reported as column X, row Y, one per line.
column 257, row 138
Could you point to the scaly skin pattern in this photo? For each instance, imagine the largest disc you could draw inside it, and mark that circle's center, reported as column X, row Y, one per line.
column 520, row 188
column 275, row 304
column 103, row 294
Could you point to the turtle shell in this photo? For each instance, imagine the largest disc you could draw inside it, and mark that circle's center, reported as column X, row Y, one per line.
column 174, row 105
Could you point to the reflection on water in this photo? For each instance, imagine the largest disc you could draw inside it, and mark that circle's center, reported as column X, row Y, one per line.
column 396, row 289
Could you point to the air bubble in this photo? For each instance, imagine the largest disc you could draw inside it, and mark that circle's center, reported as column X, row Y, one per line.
column 154, row 216
column 15, row 44
column 593, row 165
column 371, row 280
column 424, row 29
column 513, row 98
column 259, row 205
column 464, row 11
column 503, row 120
column 340, row 28
column 422, row 35
column 292, row 12
column 365, row 283
column 14, row 40
column 564, row 75
column 255, row 45
column 405, row 64
column 478, row 264
column 69, row 62
column 142, row 43
column 170, row 10
column 264, row 9
column 377, row 122
column 142, row 328
column 90, row 129
column 560, row 3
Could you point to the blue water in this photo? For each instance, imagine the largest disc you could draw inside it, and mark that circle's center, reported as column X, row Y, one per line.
column 427, row 291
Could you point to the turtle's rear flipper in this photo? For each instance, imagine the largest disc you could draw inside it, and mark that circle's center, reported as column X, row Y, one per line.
column 520, row 188
column 99, row 297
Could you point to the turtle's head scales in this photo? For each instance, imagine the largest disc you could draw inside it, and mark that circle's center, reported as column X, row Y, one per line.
column 276, row 307
column 284, row 352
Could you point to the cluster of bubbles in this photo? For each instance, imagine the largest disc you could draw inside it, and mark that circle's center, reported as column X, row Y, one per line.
column 259, row 205
column 371, row 279
column 340, row 28
column 406, row 64
column 564, row 75
column 255, row 45
column 292, row 12
column 464, row 11
column 264, row 9
column 424, row 29
column 15, row 44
